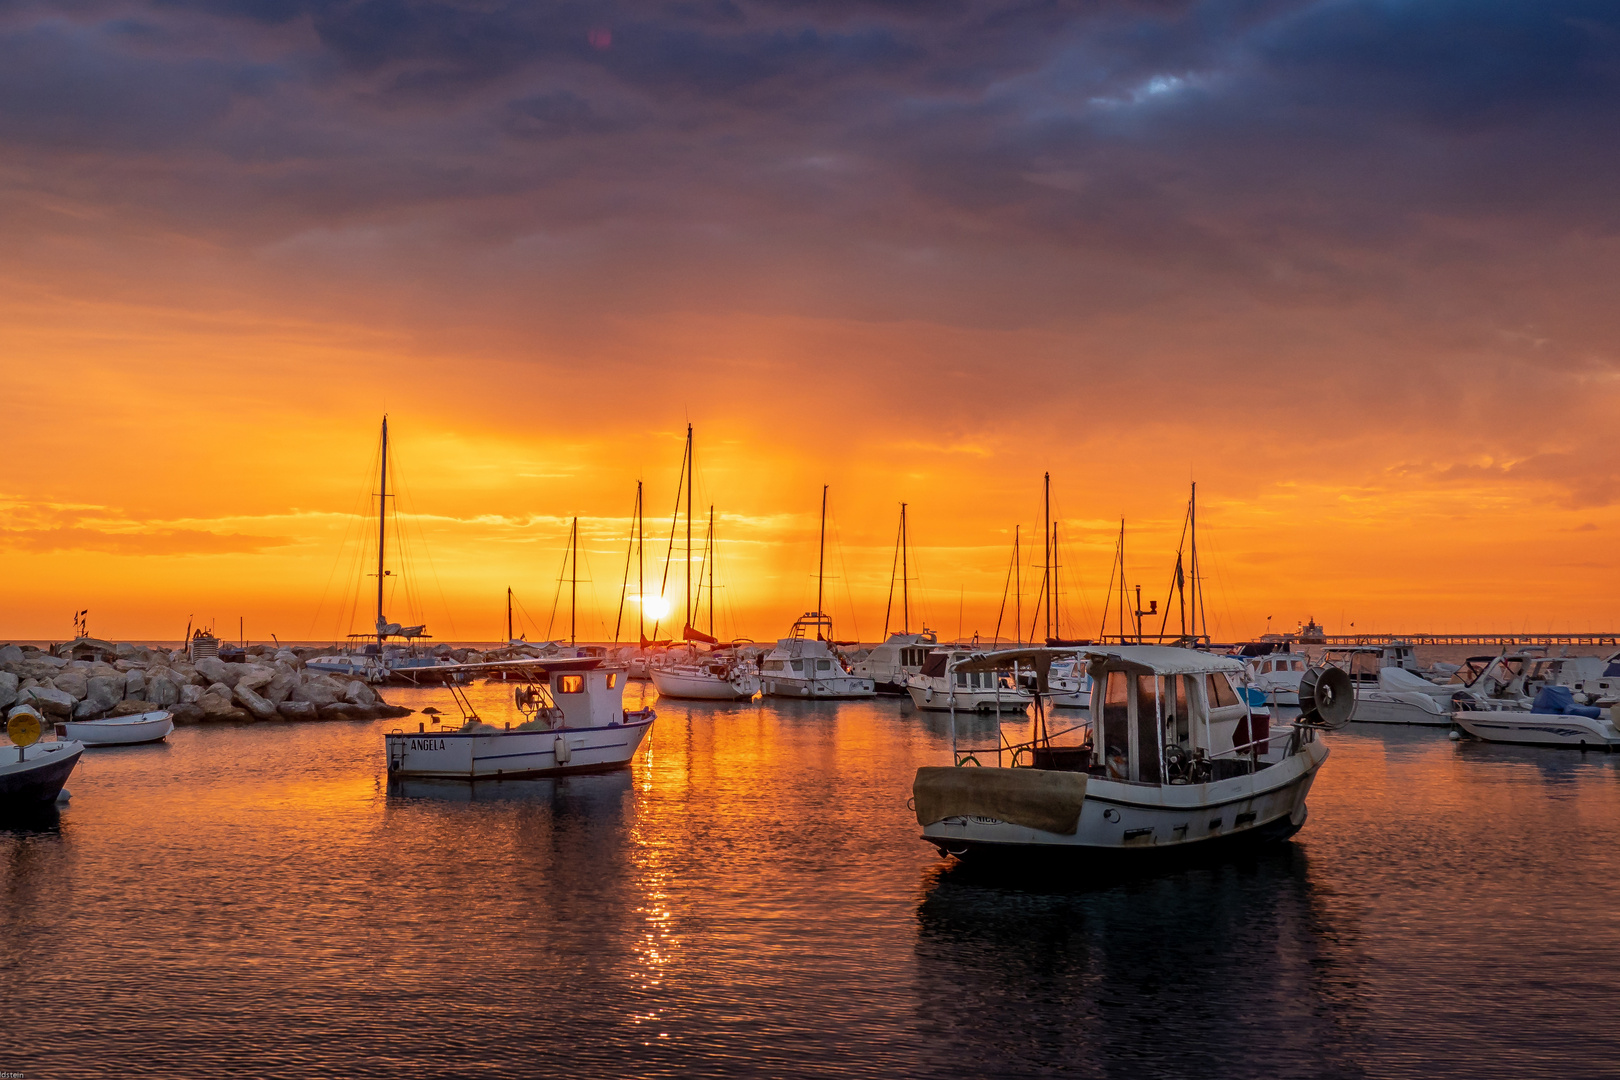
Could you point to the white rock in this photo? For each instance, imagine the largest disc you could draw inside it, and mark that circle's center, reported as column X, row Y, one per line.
column 73, row 682
column 135, row 684
column 162, row 690
column 320, row 690
column 255, row 676
column 297, row 710
column 8, row 689
column 358, row 693
column 281, row 687
column 213, row 669
column 218, row 705
column 191, row 694
column 101, row 694
column 11, row 655
column 253, row 703
column 48, row 699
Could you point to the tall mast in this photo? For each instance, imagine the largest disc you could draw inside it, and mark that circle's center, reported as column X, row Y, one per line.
column 1046, row 581
column 1018, row 589
column 573, row 582
column 509, row 614
column 905, row 582
column 382, row 529
column 709, row 559
column 641, row 569
column 894, row 567
column 1122, row 581
column 688, row 524
column 1198, row 589
column 821, row 551
column 1057, row 612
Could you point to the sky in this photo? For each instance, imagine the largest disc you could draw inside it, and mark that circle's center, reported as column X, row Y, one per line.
column 1349, row 265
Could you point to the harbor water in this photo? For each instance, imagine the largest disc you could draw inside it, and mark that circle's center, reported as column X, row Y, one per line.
column 751, row 899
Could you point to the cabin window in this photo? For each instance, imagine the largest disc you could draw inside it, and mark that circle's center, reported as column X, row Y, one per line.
column 570, row 684
column 823, row 665
column 1177, row 716
column 613, row 679
column 1220, row 691
column 1115, row 723
column 773, row 665
column 798, row 665
column 962, row 679
column 1149, row 693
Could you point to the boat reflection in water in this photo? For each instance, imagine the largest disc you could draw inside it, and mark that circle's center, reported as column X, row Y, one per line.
column 588, row 793
column 1221, row 968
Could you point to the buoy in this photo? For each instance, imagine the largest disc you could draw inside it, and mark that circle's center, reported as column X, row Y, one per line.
column 64, row 795
column 1455, row 735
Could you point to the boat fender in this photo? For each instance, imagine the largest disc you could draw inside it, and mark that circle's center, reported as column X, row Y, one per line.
column 928, row 695
column 560, row 748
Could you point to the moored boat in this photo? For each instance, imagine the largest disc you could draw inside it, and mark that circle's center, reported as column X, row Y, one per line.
column 891, row 664
column 942, row 687
column 1553, row 720
column 130, row 730
column 1173, row 761
column 719, row 676
column 577, row 723
column 32, row 773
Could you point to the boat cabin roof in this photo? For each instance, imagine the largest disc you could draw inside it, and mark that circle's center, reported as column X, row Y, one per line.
column 1140, row 659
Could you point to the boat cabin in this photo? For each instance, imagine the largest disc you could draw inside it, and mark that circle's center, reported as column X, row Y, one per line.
column 1276, row 663
column 1360, row 662
column 582, row 694
column 938, row 665
column 1163, row 715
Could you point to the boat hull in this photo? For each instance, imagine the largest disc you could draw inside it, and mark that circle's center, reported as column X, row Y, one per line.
column 832, row 688
column 1383, row 707
column 689, row 687
column 1013, row 701
column 37, row 779
column 119, row 731
column 1133, row 820
column 477, row 755
column 1540, row 729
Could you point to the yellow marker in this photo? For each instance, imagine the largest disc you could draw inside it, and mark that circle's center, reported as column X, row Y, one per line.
column 23, row 729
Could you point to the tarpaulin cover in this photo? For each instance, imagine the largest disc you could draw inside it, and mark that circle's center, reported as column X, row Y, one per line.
column 1035, row 798
column 1560, row 701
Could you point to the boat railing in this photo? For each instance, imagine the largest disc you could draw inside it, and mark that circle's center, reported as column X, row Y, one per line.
column 1015, row 750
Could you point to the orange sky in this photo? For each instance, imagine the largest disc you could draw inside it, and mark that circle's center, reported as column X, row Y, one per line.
column 1374, row 324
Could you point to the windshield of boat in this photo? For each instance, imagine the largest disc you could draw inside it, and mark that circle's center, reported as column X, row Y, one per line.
column 1471, row 670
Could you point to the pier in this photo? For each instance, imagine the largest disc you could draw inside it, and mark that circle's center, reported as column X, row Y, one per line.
column 1582, row 639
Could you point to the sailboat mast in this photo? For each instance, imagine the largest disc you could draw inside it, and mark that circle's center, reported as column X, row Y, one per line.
column 905, row 577
column 573, row 582
column 1018, row 589
column 688, row 524
column 509, row 613
column 1197, row 581
column 382, row 529
column 641, row 568
column 1057, row 612
column 821, row 551
column 1122, row 638
column 709, row 559
column 1046, row 581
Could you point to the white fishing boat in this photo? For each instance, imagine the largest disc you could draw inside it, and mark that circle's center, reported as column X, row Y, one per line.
column 1069, row 684
column 940, row 687
column 891, row 664
column 31, row 772
column 1172, row 760
column 130, row 730
column 577, row 723
column 718, row 676
column 1553, row 720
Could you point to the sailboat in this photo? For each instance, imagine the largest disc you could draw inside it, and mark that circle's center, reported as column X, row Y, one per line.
column 694, row 674
column 803, row 664
column 381, row 660
column 904, row 652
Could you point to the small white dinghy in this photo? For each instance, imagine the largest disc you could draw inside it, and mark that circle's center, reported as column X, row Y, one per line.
column 143, row 727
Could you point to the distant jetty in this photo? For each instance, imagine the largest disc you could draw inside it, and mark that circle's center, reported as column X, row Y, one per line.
column 122, row 679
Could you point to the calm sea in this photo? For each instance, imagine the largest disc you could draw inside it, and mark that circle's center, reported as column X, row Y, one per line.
column 751, row 899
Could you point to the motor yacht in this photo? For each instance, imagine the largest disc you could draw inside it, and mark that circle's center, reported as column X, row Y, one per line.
column 940, row 687
column 577, row 723
column 1388, row 694
column 892, row 663
column 804, row 665
column 1273, row 679
column 1554, row 719
column 1173, row 759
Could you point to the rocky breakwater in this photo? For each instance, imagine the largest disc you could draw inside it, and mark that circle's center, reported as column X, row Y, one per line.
column 272, row 684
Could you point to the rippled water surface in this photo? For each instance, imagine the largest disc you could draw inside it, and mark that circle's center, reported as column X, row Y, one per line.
column 752, row 899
